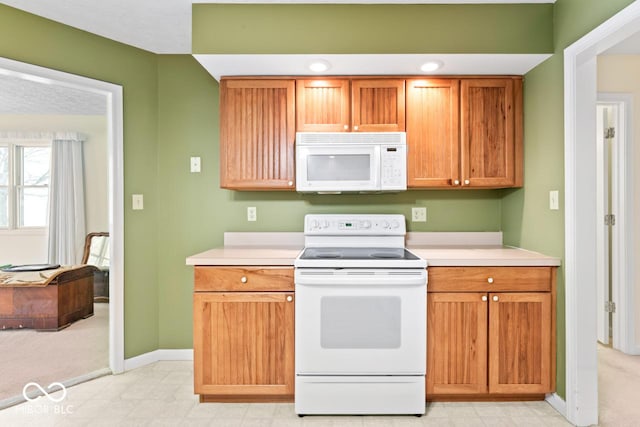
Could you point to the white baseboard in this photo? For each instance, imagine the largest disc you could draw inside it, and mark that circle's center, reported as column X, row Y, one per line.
column 557, row 403
column 156, row 356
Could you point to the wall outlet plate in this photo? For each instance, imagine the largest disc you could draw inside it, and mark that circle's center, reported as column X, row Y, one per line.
column 252, row 213
column 418, row 214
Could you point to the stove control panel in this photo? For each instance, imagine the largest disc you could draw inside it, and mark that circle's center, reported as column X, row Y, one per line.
column 355, row 224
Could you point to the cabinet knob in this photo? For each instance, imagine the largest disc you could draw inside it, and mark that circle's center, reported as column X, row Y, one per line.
column 289, row 298
column 456, row 182
column 243, row 279
column 495, row 298
column 290, row 183
column 355, row 128
column 484, row 297
column 346, row 127
column 490, row 280
column 467, row 182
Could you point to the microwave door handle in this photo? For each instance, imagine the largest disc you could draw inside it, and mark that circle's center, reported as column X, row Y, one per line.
column 377, row 157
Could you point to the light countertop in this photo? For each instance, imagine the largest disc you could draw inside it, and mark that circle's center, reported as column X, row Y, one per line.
column 458, row 255
column 246, row 255
column 439, row 249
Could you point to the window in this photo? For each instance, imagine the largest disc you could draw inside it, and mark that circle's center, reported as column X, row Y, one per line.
column 24, row 184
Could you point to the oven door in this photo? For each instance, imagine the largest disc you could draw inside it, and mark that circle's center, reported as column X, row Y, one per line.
column 360, row 321
column 337, row 168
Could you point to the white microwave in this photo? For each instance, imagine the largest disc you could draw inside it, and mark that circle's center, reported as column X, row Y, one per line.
column 336, row 162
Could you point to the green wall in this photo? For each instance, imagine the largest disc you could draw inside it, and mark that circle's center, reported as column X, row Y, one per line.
column 194, row 212
column 28, row 38
column 526, row 219
column 379, row 28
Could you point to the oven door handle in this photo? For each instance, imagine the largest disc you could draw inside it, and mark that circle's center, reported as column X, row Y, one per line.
column 388, row 280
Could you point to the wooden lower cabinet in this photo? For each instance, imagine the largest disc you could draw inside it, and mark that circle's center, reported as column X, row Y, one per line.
column 243, row 345
column 490, row 344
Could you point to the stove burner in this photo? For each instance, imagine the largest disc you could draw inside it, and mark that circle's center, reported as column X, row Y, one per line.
column 386, row 255
column 327, row 255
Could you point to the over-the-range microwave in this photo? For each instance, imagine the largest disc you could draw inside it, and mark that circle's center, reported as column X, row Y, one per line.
column 337, row 162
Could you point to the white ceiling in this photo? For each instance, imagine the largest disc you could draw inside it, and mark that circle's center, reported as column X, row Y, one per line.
column 19, row 95
column 160, row 26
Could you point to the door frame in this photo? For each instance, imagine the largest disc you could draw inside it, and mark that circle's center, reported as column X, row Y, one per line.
column 580, row 96
column 622, row 199
column 113, row 97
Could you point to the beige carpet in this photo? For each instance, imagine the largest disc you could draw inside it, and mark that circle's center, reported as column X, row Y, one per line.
column 45, row 357
column 618, row 388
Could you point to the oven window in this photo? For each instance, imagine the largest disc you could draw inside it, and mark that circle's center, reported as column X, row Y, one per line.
column 360, row 322
column 338, row 167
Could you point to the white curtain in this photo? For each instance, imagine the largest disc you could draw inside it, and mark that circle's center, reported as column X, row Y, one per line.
column 66, row 200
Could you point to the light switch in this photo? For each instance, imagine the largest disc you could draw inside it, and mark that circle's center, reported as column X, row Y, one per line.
column 137, row 202
column 195, row 164
column 554, row 205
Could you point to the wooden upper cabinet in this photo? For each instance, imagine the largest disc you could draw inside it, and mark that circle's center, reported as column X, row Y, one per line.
column 378, row 105
column 432, row 133
column 456, row 343
column 491, row 132
column 520, row 356
column 323, row 105
column 257, row 133
column 350, row 105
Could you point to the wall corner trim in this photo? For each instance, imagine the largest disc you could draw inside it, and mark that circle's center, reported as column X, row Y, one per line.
column 157, row 356
column 557, row 403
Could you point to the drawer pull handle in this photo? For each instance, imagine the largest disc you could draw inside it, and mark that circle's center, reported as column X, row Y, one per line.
column 466, row 182
column 456, row 182
column 289, row 298
column 243, row 279
column 484, row 297
column 346, row 127
column 495, row 298
column 290, row 183
column 490, row 280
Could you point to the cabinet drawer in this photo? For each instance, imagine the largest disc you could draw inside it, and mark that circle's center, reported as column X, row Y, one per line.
column 489, row 279
column 243, row 279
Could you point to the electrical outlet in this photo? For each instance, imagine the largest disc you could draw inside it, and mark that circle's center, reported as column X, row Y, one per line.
column 195, row 164
column 137, row 201
column 418, row 214
column 554, row 204
column 252, row 213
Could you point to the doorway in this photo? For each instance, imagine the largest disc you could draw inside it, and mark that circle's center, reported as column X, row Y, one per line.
column 114, row 123
column 581, row 221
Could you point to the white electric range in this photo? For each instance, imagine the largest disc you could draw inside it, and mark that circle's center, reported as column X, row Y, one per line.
column 360, row 328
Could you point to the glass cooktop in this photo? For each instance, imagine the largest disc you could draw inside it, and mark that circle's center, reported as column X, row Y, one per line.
column 357, row 254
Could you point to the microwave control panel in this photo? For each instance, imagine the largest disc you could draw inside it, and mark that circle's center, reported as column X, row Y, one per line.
column 393, row 174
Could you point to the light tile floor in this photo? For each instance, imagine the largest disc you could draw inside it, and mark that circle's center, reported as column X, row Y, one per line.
column 161, row 394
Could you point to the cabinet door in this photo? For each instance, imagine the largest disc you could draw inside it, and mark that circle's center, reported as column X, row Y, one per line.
column 456, row 343
column 257, row 133
column 378, row 105
column 323, row 105
column 432, row 133
column 520, row 342
column 244, row 343
column 488, row 133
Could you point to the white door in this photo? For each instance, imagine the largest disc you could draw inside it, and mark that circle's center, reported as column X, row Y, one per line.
column 603, row 209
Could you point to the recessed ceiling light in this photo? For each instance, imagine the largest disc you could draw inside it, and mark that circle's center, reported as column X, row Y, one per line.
column 319, row 66
column 431, row 66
